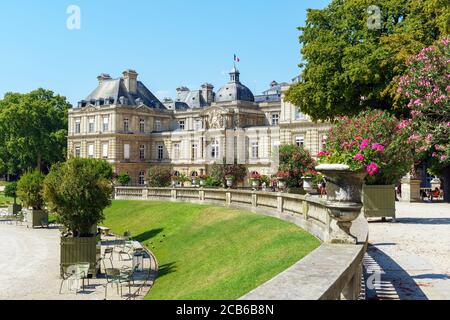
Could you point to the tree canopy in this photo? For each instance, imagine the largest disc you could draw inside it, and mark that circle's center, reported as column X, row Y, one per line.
column 351, row 63
column 33, row 131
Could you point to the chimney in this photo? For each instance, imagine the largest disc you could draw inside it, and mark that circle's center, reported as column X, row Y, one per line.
column 104, row 76
column 207, row 93
column 130, row 80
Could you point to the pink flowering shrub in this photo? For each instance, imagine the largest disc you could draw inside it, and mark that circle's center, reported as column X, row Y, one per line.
column 296, row 161
column 375, row 142
column 425, row 88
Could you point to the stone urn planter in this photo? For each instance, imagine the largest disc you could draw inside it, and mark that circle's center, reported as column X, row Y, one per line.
column 202, row 183
column 308, row 184
column 282, row 184
column 255, row 183
column 435, row 183
column 35, row 217
column 379, row 201
column 344, row 198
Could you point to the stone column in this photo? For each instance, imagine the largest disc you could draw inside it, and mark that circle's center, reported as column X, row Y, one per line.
column 411, row 189
column 280, row 203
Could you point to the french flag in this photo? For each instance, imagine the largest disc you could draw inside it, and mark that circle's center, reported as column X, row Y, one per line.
column 236, row 58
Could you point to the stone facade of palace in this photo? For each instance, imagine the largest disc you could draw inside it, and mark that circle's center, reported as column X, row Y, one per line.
column 122, row 122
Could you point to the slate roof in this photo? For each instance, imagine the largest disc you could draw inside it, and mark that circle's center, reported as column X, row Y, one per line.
column 115, row 90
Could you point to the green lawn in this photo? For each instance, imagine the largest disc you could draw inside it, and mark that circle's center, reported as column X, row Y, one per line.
column 207, row 252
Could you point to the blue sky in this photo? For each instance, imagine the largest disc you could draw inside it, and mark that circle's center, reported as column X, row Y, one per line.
column 170, row 43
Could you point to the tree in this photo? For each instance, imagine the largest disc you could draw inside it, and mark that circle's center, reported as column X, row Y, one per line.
column 351, row 65
column 425, row 88
column 296, row 161
column 219, row 172
column 159, row 177
column 33, row 131
column 29, row 189
column 124, row 179
column 11, row 191
column 78, row 192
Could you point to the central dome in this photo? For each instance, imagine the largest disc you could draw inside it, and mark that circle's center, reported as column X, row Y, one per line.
column 234, row 90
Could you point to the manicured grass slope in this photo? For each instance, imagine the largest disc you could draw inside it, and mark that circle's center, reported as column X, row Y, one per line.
column 210, row 252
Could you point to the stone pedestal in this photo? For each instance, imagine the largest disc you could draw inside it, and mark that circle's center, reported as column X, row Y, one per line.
column 411, row 190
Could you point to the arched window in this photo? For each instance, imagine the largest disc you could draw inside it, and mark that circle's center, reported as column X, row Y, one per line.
column 176, row 174
column 194, row 174
column 142, row 178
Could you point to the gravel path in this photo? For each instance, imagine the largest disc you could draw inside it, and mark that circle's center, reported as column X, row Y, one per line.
column 412, row 255
column 29, row 264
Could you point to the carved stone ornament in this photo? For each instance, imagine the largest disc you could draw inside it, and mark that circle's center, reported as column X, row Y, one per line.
column 215, row 119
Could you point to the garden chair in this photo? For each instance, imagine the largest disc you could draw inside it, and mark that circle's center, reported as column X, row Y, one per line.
column 108, row 254
column 113, row 277
column 76, row 273
column 126, row 250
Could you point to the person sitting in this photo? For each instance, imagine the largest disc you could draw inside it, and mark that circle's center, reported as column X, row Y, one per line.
column 436, row 194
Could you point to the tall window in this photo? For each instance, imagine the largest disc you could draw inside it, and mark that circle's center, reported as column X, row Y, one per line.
column 275, row 119
column 90, row 151
column 126, row 125
column 176, row 151
column 106, row 124
column 126, row 151
column 194, row 151
column 160, row 152
column 300, row 141
column 141, row 179
column 182, row 124
column 158, row 125
column 105, row 150
column 298, row 114
column 78, row 126
column 77, row 151
column 198, row 124
column 142, row 152
column 255, row 150
column 215, row 149
column 142, row 126
column 91, row 125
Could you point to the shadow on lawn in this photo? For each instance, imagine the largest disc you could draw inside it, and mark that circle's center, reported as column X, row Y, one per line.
column 166, row 269
column 147, row 235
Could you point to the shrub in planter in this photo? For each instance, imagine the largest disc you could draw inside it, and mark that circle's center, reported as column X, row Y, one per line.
column 77, row 192
column 29, row 190
column 11, row 192
column 296, row 161
column 159, row 177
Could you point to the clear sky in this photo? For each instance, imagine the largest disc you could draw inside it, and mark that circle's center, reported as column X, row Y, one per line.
column 168, row 42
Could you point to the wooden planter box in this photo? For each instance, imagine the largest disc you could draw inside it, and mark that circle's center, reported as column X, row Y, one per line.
column 14, row 209
column 35, row 217
column 81, row 250
column 379, row 201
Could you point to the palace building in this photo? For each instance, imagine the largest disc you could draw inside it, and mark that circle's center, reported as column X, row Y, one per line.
column 122, row 122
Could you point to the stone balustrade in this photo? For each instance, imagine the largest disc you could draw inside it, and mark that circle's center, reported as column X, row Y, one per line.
column 337, row 263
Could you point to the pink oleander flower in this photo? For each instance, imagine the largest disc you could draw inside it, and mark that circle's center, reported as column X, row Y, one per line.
column 364, row 144
column 372, row 169
column 379, row 147
column 437, row 147
column 358, row 157
column 323, row 154
column 443, row 158
column 404, row 123
column 434, row 155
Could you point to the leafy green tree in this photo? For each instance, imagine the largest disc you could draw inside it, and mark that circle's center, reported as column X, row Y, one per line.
column 33, row 131
column 78, row 192
column 351, row 64
column 124, row 179
column 159, row 177
column 11, row 191
column 30, row 188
